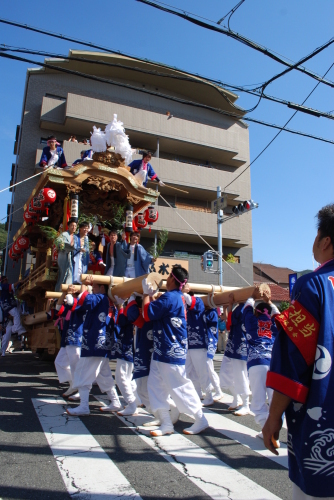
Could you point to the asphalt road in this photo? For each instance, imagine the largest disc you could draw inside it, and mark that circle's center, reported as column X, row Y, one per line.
column 47, row 455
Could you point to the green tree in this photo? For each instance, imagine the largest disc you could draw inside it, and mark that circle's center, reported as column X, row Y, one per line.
column 285, row 304
column 3, row 236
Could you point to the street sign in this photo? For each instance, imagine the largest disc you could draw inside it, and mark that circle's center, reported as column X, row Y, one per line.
column 218, row 204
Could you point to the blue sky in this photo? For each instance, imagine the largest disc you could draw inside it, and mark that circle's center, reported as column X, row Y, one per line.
column 294, row 178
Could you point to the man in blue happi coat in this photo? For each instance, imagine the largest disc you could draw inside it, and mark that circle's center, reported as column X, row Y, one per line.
column 143, row 170
column 167, row 376
column 53, row 154
column 96, row 346
column 302, row 376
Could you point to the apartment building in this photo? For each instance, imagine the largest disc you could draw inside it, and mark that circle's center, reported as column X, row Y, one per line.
column 166, row 111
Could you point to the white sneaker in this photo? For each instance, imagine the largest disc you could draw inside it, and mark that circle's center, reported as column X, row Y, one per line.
column 242, row 411
column 131, row 409
column 200, row 425
column 78, row 411
column 112, row 407
column 74, row 397
column 208, row 401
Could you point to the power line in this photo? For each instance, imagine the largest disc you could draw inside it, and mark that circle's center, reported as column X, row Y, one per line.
column 289, row 104
column 216, row 82
column 164, row 96
column 240, row 38
column 232, row 11
column 283, row 128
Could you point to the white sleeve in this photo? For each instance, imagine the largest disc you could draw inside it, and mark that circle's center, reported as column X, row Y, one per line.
column 274, row 310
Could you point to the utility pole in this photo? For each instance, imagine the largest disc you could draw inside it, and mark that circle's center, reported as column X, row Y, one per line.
column 220, row 214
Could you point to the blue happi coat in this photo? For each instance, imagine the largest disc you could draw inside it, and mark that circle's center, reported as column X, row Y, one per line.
column 195, row 325
column 302, row 368
column 58, row 315
column 7, row 299
column 46, row 155
column 236, row 345
column 75, row 325
column 259, row 335
column 143, row 341
column 210, row 319
column 169, row 320
column 124, row 340
column 136, row 165
column 96, row 338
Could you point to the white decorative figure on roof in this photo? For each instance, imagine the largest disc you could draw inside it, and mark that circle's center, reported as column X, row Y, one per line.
column 98, row 140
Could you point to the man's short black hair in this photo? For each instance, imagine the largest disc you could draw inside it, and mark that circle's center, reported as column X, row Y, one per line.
column 147, row 153
column 83, row 224
column 180, row 273
column 325, row 222
column 262, row 307
column 105, row 287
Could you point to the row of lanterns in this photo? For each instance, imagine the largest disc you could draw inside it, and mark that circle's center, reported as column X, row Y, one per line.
column 39, row 204
column 141, row 220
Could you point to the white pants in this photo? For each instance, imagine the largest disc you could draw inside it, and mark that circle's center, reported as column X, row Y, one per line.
column 66, row 362
column 197, row 362
column 90, row 369
column 143, row 392
column 6, row 337
column 17, row 327
column 257, row 379
column 123, row 376
column 226, row 374
column 166, row 379
column 214, row 379
column 233, row 376
column 298, row 494
column 130, row 272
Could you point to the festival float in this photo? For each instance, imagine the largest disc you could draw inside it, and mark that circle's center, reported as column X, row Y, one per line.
column 101, row 189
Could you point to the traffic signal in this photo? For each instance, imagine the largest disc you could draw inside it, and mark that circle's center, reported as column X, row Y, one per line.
column 244, row 207
column 207, row 261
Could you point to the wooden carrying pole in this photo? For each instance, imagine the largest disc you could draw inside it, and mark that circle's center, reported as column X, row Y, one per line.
column 53, row 295
column 33, row 319
column 221, row 299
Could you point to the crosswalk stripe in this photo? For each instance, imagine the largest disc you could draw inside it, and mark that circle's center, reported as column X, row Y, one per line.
column 211, row 475
column 245, row 436
column 87, row 471
column 227, row 400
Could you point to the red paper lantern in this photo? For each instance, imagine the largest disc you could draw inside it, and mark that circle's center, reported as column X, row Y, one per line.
column 140, row 221
column 22, row 242
column 16, row 249
column 29, row 219
column 151, row 215
column 13, row 255
column 47, row 195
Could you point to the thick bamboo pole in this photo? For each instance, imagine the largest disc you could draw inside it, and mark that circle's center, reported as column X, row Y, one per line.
column 221, row 299
column 124, row 290
column 33, row 319
column 53, row 295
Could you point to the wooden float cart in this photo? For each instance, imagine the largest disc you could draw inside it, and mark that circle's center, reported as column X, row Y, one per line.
column 101, row 183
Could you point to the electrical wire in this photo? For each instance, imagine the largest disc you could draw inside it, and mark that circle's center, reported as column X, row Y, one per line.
column 230, row 12
column 164, row 96
column 272, row 140
column 204, row 240
column 105, row 49
column 240, row 38
column 11, row 213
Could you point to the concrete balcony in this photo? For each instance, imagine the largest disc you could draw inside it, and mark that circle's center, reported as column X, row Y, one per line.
column 71, row 151
column 225, row 142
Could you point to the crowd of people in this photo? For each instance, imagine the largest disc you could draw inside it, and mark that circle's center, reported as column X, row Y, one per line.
column 78, row 253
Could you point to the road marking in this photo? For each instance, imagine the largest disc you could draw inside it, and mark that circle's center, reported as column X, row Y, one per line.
column 245, row 436
column 87, row 471
column 227, row 400
column 211, row 475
